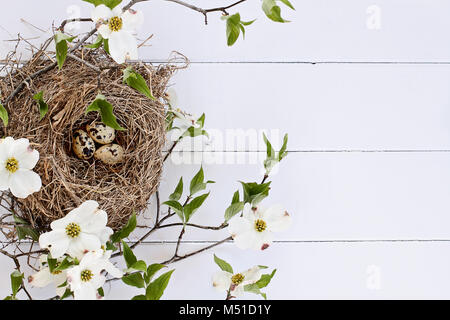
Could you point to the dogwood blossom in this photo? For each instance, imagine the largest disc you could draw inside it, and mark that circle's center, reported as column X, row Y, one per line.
column 81, row 230
column 45, row 277
column 86, row 278
column 224, row 281
column 117, row 26
column 17, row 160
column 256, row 226
column 181, row 123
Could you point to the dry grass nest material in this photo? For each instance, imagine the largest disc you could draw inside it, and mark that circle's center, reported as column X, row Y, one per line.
column 68, row 181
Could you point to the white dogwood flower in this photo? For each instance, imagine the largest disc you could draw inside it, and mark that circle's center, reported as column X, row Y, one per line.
column 118, row 26
column 86, row 278
column 224, row 281
column 256, row 226
column 17, row 160
column 81, row 230
column 181, row 123
column 45, row 277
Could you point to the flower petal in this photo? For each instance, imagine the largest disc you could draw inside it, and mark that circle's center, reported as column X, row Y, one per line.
column 56, row 241
column 4, row 179
column 84, row 212
column 24, row 182
column 27, row 159
column 95, row 222
column 41, row 279
column 132, row 19
column 84, row 243
column 222, row 280
column 101, row 12
column 6, row 148
column 104, row 31
column 85, row 292
column 237, row 291
column 277, row 218
column 123, row 46
column 252, row 275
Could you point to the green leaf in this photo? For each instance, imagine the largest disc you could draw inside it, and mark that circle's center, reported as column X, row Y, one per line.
column 61, row 47
column 176, row 206
column 43, row 107
column 4, row 115
column 101, row 292
column 193, row 206
column 129, row 256
column 140, row 266
column 201, row 120
column 134, row 280
column 24, row 232
column 126, row 230
column 109, row 3
column 106, row 112
column 97, row 43
column 66, row 294
column 196, row 181
column 233, row 210
column 225, row 266
column 136, row 81
column 139, row 297
column 283, row 153
column 106, row 45
column 194, row 132
column 265, row 279
column 176, row 195
column 235, row 197
column 156, row 289
column 64, row 265
column 16, row 282
column 273, row 11
column 233, row 28
column 254, row 192
column 152, row 270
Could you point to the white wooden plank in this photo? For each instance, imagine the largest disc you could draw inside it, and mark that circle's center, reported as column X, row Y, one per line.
column 321, row 107
column 320, row 30
column 305, row 271
column 330, row 195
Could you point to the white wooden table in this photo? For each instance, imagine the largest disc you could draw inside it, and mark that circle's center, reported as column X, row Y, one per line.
column 363, row 89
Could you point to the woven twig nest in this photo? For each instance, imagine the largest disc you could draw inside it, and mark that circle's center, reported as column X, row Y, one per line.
column 68, row 181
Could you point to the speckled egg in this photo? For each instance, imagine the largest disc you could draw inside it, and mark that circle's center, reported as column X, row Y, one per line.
column 110, row 154
column 83, row 146
column 101, row 133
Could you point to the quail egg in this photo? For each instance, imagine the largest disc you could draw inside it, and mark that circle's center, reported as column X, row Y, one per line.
column 83, row 145
column 101, row 133
column 110, row 154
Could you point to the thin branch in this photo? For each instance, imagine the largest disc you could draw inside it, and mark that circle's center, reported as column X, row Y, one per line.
column 222, row 226
column 63, row 24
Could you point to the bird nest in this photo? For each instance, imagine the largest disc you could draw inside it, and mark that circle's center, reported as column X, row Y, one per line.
column 120, row 189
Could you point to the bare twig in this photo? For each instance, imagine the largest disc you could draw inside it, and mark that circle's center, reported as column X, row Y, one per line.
column 63, row 24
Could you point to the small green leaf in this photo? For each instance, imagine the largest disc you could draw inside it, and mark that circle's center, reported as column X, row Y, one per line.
column 197, row 180
column 106, row 112
column 136, row 81
column 201, row 120
column 156, row 289
column 139, row 297
column 176, row 206
column 66, row 294
column 254, row 192
column 43, row 107
column 109, row 3
column 16, row 282
column 4, row 115
column 134, row 280
column 273, row 11
column 126, row 230
column 64, row 265
column 233, row 28
column 140, row 266
column 24, row 232
column 176, row 195
column 128, row 254
column 265, row 279
column 152, row 270
column 283, row 153
column 194, row 132
column 97, row 43
column 61, row 47
column 233, row 210
column 106, row 45
column 225, row 266
column 193, row 206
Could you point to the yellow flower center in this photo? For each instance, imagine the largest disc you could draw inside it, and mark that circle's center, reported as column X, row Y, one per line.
column 73, row 230
column 260, row 225
column 86, row 275
column 115, row 24
column 12, row 165
column 237, row 279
